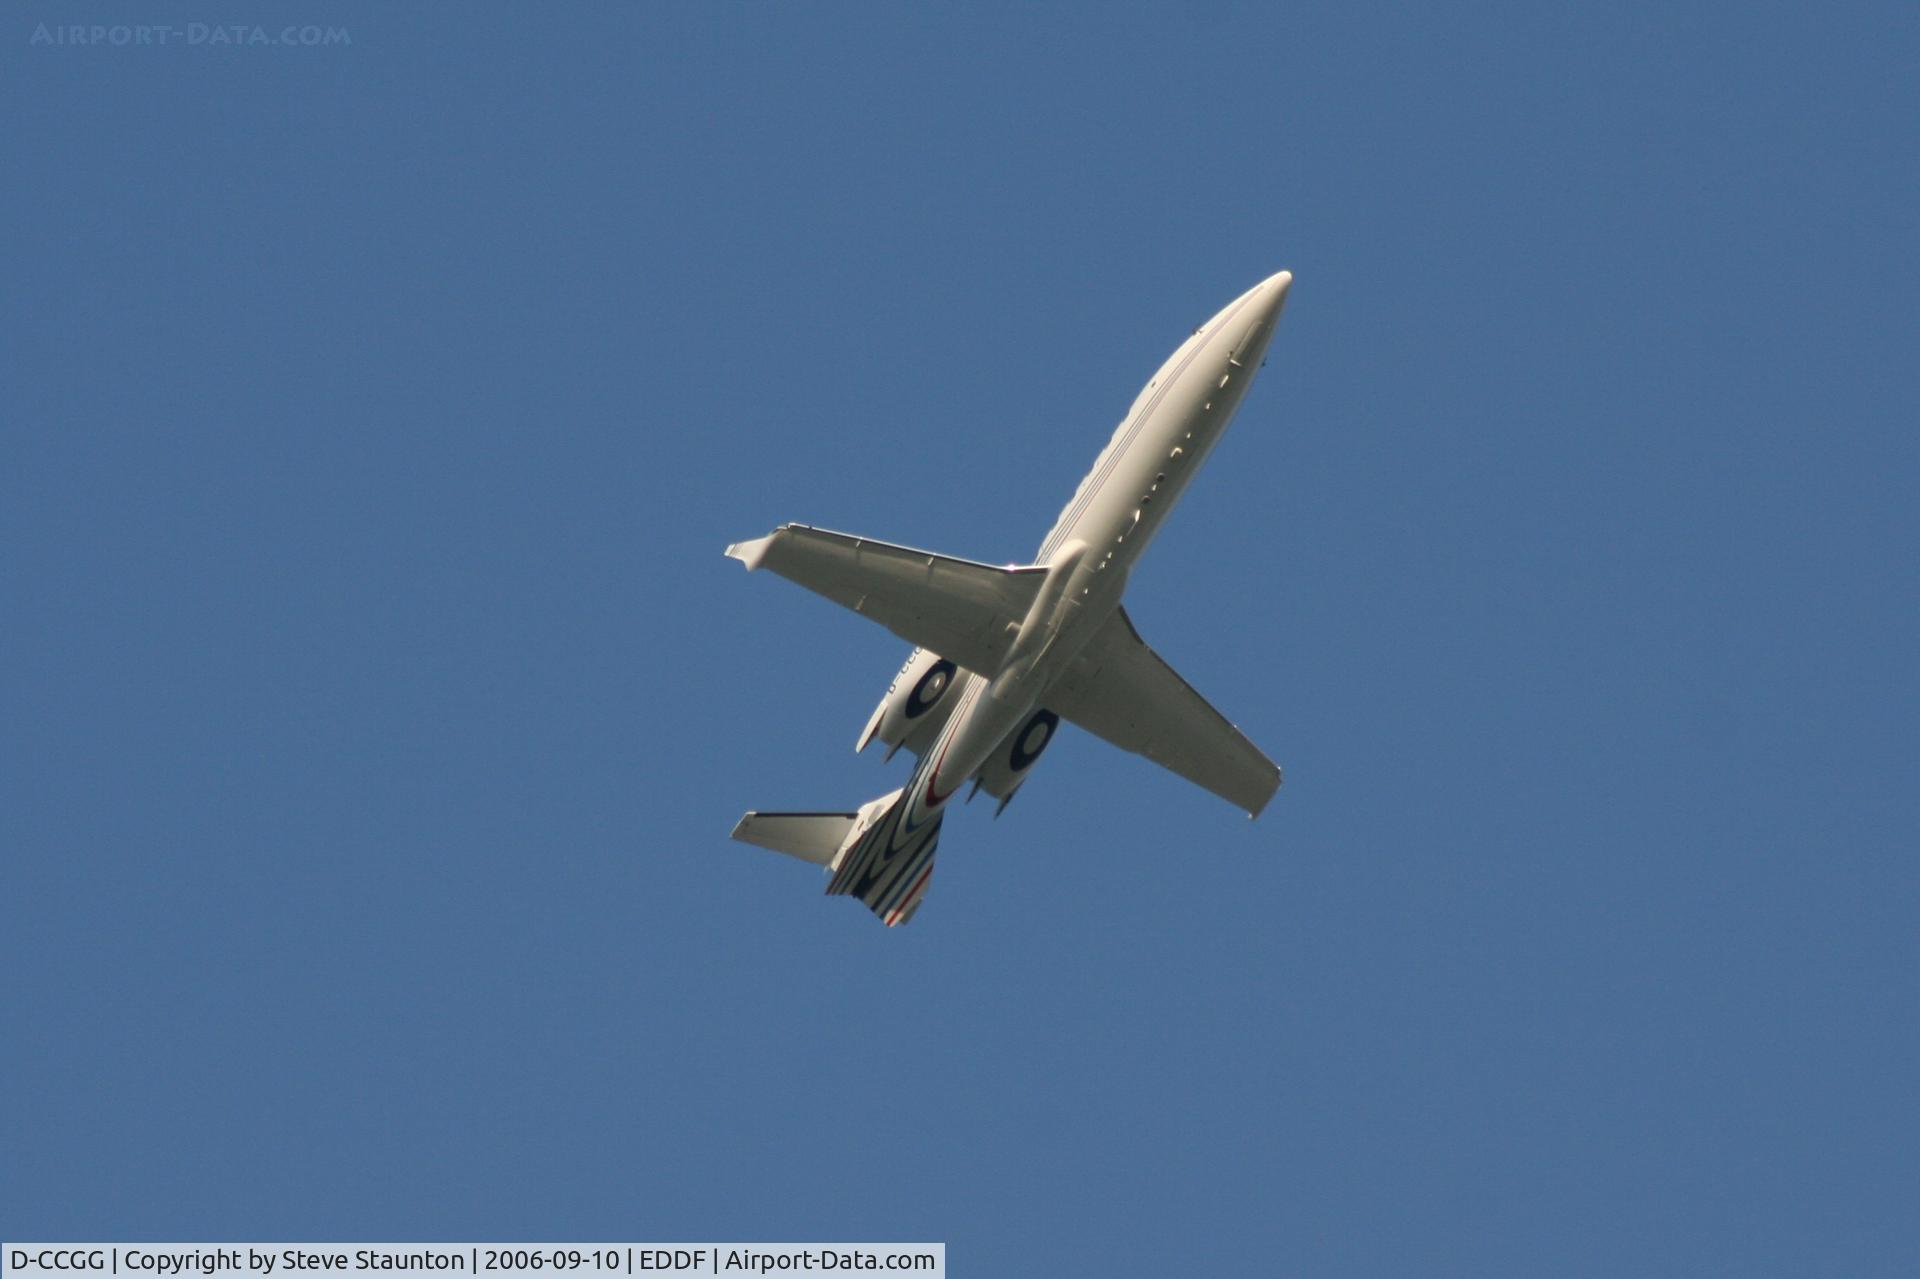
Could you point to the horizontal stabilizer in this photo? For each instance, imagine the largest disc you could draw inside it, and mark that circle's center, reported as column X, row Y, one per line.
column 963, row 610
column 812, row 837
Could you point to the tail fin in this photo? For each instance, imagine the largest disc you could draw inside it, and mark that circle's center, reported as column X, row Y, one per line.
column 872, row 854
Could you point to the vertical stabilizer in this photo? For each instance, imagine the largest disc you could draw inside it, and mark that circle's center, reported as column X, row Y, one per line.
column 871, row 853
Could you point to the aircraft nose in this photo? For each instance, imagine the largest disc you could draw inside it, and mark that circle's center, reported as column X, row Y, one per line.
column 1262, row 313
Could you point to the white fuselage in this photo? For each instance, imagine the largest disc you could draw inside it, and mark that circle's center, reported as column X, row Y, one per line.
column 1174, row 423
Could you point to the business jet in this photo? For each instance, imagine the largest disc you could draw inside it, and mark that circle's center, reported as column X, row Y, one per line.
column 1002, row 655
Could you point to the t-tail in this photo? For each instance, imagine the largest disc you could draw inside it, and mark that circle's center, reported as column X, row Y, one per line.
column 872, row 854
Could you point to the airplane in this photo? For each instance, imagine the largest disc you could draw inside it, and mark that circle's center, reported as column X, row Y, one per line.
column 1002, row 655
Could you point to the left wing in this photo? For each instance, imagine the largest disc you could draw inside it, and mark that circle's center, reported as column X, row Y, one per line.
column 964, row 611
column 1122, row 691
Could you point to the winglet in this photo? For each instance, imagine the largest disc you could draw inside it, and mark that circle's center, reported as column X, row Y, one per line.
column 751, row 553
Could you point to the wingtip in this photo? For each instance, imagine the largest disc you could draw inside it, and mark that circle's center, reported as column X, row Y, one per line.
column 750, row 553
column 1278, row 778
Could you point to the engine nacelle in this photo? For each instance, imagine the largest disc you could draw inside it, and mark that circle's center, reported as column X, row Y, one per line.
column 917, row 704
column 1007, row 767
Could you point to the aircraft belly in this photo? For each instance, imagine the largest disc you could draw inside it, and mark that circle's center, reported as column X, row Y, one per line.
column 980, row 723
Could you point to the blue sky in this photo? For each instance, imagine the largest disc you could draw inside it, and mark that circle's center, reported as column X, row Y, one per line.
column 376, row 699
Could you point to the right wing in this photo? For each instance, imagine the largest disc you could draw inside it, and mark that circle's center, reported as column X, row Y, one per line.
column 964, row 611
column 1122, row 691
